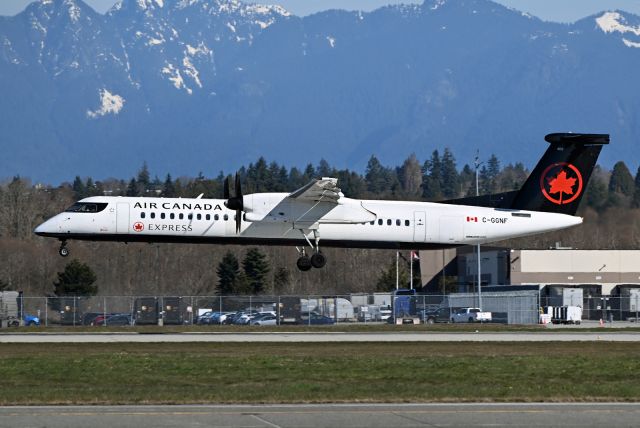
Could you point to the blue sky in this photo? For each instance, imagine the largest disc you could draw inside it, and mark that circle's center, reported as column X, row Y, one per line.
column 550, row 10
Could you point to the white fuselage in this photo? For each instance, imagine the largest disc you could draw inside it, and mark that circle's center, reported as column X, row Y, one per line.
column 269, row 219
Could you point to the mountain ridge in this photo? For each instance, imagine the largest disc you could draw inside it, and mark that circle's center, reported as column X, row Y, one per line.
column 214, row 84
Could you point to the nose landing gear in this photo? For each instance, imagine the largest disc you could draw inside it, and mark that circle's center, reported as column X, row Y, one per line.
column 64, row 251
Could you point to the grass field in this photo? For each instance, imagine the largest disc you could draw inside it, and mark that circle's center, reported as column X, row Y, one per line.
column 309, row 372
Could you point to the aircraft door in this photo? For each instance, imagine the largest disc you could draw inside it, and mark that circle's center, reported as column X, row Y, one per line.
column 420, row 226
column 122, row 217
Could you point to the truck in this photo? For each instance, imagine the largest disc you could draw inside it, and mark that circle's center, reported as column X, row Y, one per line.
column 470, row 315
column 440, row 315
column 564, row 314
column 10, row 308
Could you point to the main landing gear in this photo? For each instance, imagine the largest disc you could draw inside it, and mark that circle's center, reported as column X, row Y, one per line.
column 317, row 259
column 64, row 251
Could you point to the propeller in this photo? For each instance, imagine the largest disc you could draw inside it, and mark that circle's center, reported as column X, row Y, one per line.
column 235, row 202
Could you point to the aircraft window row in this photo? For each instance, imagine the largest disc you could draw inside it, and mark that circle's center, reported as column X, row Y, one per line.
column 190, row 216
column 389, row 222
column 87, row 207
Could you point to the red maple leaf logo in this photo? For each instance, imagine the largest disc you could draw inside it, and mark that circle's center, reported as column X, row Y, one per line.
column 562, row 188
column 138, row 227
column 561, row 184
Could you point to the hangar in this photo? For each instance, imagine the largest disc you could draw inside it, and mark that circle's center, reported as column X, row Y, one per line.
column 606, row 269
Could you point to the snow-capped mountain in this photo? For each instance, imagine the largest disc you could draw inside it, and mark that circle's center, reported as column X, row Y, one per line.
column 191, row 85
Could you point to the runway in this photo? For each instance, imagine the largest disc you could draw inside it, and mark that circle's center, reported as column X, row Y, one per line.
column 319, row 337
column 327, row 415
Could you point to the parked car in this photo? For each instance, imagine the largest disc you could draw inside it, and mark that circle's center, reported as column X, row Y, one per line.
column 265, row 319
column 440, row 315
column 119, row 319
column 470, row 315
column 317, row 319
column 385, row 313
column 113, row 319
column 99, row 319
column 30, row 320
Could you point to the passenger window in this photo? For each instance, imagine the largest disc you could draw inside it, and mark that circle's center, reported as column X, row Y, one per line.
column 162, row 216
column 172, row 216
column 152, row 215
column 397, row 222
column 208, row 216
column 389, row 222
column 190, row 216
column 226, row 217
column 407, row 222
column 372, row 222
column 142, row 215
column 380, row 222
column 216, row 217
column 180, row 216
column 199, row 216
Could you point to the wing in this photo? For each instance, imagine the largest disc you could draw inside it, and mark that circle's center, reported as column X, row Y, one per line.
column 318, row 190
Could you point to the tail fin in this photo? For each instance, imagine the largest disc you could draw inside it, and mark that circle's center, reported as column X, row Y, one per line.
column 558, row 181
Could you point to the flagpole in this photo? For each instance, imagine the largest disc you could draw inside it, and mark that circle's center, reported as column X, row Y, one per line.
column 397, row 271
column 411, row 268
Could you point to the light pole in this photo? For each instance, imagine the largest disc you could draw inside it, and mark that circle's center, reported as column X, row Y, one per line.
column 477, row 164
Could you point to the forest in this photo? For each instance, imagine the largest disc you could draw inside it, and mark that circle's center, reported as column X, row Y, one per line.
column 611, row 209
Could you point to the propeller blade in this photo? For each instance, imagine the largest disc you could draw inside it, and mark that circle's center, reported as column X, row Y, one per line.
column 226, row 188
column 238, row 220
column 238, row 187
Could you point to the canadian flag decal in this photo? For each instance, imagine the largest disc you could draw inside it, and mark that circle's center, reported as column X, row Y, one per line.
column 474, row 219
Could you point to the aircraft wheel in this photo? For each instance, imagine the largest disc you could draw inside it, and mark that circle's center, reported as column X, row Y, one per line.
column 64, row 251
column 318, row 260
column 430, row 321
column 303, row 263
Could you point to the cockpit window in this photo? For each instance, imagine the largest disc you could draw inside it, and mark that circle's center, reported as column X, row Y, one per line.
column 87, row 207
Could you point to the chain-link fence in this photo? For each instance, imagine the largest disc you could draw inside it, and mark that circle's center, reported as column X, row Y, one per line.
column 519, row 307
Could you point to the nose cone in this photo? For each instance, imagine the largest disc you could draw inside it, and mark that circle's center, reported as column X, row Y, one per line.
column 45, row 229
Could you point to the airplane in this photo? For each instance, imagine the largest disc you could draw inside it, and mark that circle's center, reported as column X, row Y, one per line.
column 319, row 212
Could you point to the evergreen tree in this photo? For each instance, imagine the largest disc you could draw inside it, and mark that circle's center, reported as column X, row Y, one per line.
column 596, row 194
column 309, row 173
column 621, row 180
column 143, row 180
column 4, row 285
column 92, row 189
column 168, row 188
column 228, row 271
column 256, row 268
column 281, row 279
column 484, row 181
column 324, row 170
column 635, row 203
column 467, row 181
column 79, row 188
column 76, row 280
column 132, row 188
column 258, row 177
column 492, row 173
column 432, row 177
column 296, row 179
column 449, row 175
column 375, row 176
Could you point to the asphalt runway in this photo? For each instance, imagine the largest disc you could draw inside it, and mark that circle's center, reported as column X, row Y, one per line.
column 326, row 415
column 319, row 337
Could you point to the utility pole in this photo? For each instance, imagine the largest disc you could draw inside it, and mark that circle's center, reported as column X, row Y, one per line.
column 477, row 164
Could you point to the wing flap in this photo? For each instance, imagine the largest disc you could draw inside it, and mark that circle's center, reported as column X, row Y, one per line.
column 323, row 189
